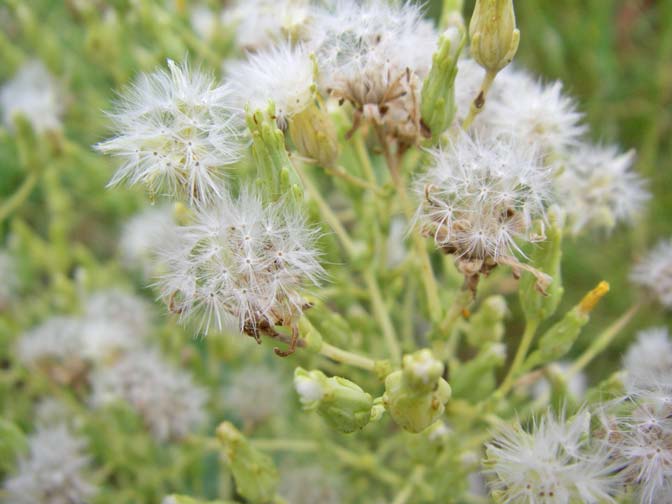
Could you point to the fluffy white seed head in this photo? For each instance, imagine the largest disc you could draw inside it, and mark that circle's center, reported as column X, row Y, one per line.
column 261, row 23
column 241, row 265
column 53, row 470
column 533, row 112
column 256, row 393
column 374, row 55
column 282, row 74
column 480, row 196
column 638, row 433
column 142, row 236
column 649, row 360
column 556, row 463
column 654, row 273
column 166, row 397
column 34, row 93
column 57, row 339
column 176, row 131
column 598, row 188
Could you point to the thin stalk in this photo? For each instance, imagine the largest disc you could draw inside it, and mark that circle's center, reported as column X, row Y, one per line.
column 521, row 353
column 406, row 493
column 364, row 159
column 602, row 341
column 352, row 179
column 345, row 357
column 479, row 102
column 382, row 314
column 19, row 196
column 426, row 272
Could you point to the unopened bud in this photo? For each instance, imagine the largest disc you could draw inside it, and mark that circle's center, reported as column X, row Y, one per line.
column 559, row 339
column 487, row 324
column 416, row 396
column 493, row 32
column 438, row 91
column 546, row 257
column 314, row 135
column 475, row 379
column 254, row 472
column 342, row 403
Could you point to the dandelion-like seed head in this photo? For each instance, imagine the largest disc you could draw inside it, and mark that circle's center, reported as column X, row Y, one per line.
column 166, row 397
column 375, row 55
column 282, row 74
column 533, row 112
column 480, row 196
column 654, row 273
column 556, row 463
column 53, row 470
column 242, row 265
column 599, row 188
column 176, row 131
column 36, row 95
column 649, row 360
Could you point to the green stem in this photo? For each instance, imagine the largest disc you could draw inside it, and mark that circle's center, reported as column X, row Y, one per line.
column 345, row 357
column 19, row 196
column 381, row 313
column 523, row 348
column 479, row 102
column 406, row 492
column 352, row 179
column 602, row 341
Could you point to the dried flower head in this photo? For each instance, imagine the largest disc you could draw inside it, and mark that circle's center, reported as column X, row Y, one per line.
column 480, row 196
column 176, row 131
column 53, row 470
column 36, row 95
column 558, row 462
column 282, row 74
column 599, row 188
column 242, row 265
column 374, row 55
column 654, row 273
column 164, row 396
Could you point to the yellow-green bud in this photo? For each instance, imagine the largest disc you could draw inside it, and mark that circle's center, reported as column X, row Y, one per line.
column 487, row 324
column 416, row 395
column 545, row 256
column 254, row 472
column 270, row 155
column 342, row 403
column 451, row 14
column 314, row 135
column 560, row 338
column 493, row 33
column 438, row 91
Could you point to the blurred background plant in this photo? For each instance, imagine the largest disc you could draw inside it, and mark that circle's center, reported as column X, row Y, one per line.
column 64, row 237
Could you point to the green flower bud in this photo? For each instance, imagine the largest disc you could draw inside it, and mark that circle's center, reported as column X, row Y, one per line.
column 254, row 472
column 487, row 324
column 416, row 395
column 545, row 256
column 314, row 135
column 560, row 338
column 438, row 91
column 422, row 370
column 493, row 33
column 275, row 169
column 342, row 403
column 475, row 379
